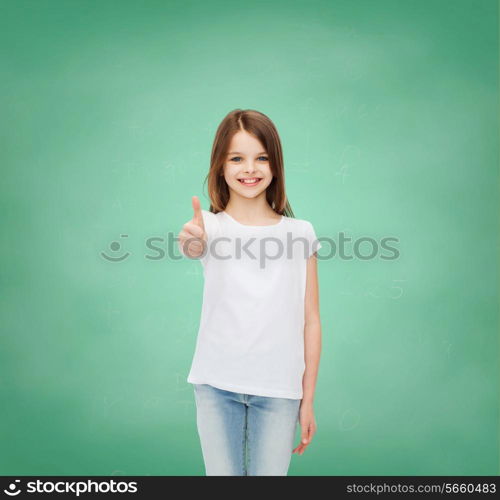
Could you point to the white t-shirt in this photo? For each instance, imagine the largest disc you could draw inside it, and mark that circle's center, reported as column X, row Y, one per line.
column 251, row 334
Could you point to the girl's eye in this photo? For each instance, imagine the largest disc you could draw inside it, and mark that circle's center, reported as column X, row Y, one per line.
column 265, row 158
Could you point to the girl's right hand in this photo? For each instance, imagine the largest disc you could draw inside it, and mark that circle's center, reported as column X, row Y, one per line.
column 193, row 236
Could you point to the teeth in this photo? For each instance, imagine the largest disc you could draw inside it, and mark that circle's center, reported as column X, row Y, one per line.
column 249, row 181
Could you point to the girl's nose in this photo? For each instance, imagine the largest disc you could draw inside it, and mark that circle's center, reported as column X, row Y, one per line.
column 250, row 168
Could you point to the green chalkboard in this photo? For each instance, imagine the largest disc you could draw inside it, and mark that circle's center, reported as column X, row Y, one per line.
column 388, row 115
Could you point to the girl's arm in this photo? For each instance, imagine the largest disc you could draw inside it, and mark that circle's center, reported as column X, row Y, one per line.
column 312, row 352
column 312, row 332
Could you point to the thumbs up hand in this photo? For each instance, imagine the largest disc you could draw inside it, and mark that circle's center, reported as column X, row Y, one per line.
column 193, row 236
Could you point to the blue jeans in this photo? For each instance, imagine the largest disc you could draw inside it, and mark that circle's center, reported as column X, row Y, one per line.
column 244, row 434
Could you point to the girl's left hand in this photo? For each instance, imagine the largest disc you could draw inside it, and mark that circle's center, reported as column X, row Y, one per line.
column 308, row 425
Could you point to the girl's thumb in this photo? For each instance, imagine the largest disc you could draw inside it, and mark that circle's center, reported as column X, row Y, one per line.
column 197, row 215
column 304, row 436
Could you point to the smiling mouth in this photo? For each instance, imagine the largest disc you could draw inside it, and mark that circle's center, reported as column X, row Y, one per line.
column 250, row 182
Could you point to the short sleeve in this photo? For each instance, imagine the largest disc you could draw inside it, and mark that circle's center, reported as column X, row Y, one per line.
column 313, row 243
column 211, row 228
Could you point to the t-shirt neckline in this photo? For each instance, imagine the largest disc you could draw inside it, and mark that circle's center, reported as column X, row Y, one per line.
column 253, row 227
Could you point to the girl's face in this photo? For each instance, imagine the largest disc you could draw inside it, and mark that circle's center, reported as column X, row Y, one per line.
column 247, row 159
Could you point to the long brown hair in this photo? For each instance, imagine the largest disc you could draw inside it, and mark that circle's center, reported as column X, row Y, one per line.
column 262, row 128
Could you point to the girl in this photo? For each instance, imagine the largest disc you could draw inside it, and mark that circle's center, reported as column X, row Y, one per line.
column 258, row 347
